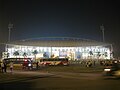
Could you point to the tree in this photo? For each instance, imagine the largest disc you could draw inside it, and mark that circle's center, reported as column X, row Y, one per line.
column 45, row 55
column 98, row 54
column 16, row 53
column 91, row 53
column 106, row 54
column 8, row 54
column 35, row 52
column 24, row 54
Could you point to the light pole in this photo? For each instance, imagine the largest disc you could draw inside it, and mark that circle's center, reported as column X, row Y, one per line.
column 103, row 33
column 111, row 54
column 10, row 26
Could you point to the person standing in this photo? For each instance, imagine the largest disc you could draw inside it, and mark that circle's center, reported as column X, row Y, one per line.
column 11, row 66
column 2, row 67
column 5, row 66
column 37, row 65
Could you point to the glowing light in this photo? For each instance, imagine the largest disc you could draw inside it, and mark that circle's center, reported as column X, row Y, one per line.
column 107, row 70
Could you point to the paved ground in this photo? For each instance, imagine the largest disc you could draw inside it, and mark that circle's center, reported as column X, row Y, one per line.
column 59, row 81
column 58, row 74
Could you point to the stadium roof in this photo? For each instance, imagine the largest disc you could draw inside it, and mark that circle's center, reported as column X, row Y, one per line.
column 58, row 42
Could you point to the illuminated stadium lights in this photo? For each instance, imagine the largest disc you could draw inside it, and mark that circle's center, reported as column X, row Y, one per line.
column 74, row 49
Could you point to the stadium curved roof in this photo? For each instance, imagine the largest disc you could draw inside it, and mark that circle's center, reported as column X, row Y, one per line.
column 58, row 42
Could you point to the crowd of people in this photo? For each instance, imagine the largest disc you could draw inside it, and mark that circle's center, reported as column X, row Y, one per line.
column 92, row 63
column 4, row 66
column 27, row 65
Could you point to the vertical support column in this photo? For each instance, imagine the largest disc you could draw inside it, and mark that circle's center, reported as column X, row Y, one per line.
column 111, row 52
column 51, row 52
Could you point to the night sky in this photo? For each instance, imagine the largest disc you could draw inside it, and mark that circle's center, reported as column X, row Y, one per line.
column 61, row 18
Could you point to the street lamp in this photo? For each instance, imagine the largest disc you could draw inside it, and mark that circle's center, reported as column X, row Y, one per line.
column 10, row 26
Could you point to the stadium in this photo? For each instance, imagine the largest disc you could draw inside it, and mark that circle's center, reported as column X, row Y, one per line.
column 59, row 47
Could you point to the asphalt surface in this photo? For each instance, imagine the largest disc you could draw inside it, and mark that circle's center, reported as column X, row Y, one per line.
column 59, row 81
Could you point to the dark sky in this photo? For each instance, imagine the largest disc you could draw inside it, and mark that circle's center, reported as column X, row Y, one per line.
column 60, row 18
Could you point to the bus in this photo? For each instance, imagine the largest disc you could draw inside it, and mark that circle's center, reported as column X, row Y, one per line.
column 24, row 62
column 54, row 61
column 17, row 60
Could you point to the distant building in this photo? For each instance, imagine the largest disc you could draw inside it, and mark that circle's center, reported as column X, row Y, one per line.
column 71, row 48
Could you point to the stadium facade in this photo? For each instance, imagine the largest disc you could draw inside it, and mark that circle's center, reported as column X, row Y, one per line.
column 65, row 47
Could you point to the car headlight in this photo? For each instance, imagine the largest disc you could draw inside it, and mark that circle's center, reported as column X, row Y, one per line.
column 107, row 69
column 29, row 64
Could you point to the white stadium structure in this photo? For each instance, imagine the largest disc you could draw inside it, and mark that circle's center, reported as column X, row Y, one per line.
column 59, row 47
